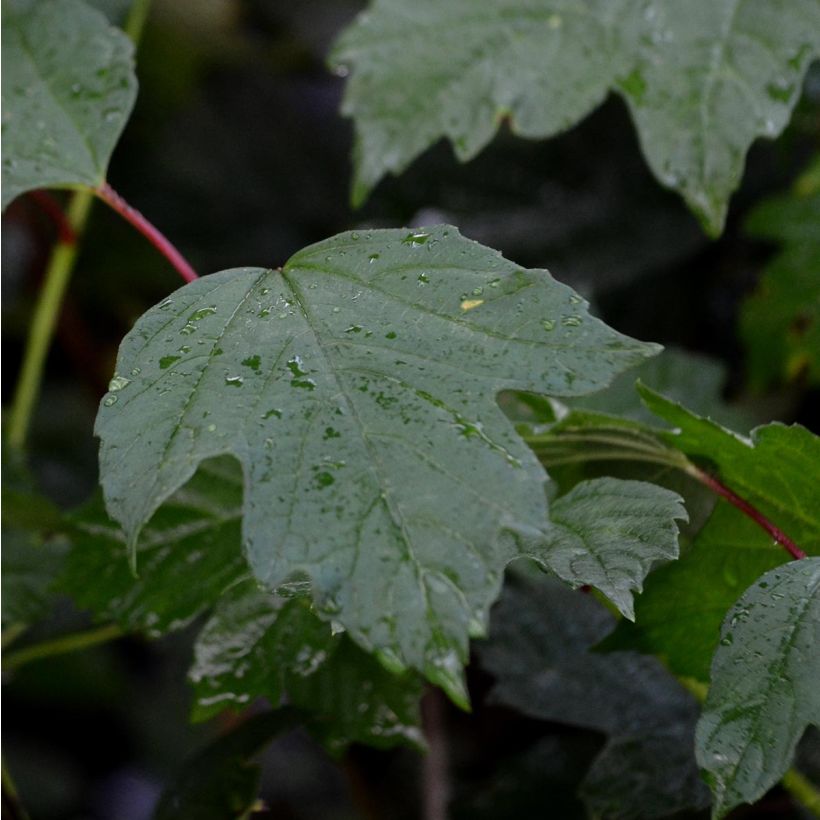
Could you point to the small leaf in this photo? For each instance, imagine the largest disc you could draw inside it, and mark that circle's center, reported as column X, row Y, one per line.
column 608, row 533
column 255, row 644
column 68, row 89
column 538, row 654
column 764, row 690
column 359, row 397
column 702, row 79
column 221, row 781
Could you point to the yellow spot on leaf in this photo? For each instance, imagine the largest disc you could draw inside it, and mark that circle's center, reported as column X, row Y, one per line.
column 469, row 304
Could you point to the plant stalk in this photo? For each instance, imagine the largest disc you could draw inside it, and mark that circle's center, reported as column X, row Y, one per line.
column 434, row 776
column 43, row 323
column 62, row 645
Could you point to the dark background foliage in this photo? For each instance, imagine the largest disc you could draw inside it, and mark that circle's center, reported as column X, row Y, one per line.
column 237, row 151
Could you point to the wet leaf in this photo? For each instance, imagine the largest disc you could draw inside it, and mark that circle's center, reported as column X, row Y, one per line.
column 703, row 80
column 538, row 654
column 764, row 691
column 357, row 388
column 68, row 89
column 255, row 644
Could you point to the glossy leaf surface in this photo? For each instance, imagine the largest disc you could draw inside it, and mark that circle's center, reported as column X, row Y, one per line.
column 357, row 388
column 68, row 89
column 764, row 690
column 255, row 644
column 702, row 79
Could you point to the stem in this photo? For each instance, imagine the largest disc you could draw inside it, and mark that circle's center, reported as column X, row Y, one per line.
column 111, row 198
column 137, row 16
column 12, row 806
column 54, row 211
column 747, row 509
column 435, row 786
column 44, row 321
column 63, row 644
column 802, row 790
column 11, row 634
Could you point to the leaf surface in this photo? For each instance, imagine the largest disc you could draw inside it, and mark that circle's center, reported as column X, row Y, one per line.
column 538, row 653
column 702, row 80
column 357, row 388
column 255, row 644
column 68, row 88
column 764, row 690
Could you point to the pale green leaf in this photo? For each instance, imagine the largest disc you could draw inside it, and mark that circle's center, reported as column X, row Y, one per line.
column 608, row 533
column 764, row 691
column 356, row 386
column 702, row 79
column 68, row 89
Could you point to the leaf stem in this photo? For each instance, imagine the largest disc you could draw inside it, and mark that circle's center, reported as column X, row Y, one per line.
column 44, row 321
column 61, row 645
column 746, row 508
column 434, row 778
column 111, row 198
column 802, row 790
column 137, row 15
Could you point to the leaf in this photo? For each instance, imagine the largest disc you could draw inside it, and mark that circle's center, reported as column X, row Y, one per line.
column 255, row 644
column 776, row 470
column 608, row 533
column 68, row 89
column 702, row 80
column 538, row 653
column 221, row 782
column 780, row 320
column 356, row 387
column 764, row 690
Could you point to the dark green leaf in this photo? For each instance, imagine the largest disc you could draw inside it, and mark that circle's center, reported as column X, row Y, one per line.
column 538, row 653
column 255, row 644
column 221, row 782
column 780, row 322
column 764, row 691
column 357, row 388
column 608, row 533
column 68, row 89
column 702, row 79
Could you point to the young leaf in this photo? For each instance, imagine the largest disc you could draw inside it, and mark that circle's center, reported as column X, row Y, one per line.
column 68, row 89
column 764, row 691
column 780, row 322
column 538, row 653
column 357, row 387
column 255, row 644
column 221, row 781
column 608, row 533
column 702, row 79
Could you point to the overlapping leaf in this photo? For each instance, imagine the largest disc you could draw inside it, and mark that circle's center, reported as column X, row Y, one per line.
column 780, row 322
column 764, row 690
column 357, row 387
column 68, row 89
column 702, row 79
column 255, row 644
column 538, row 653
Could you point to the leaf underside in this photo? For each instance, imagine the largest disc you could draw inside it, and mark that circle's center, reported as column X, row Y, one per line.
column 764, row 691
column 68, row 90
column 702, row 80
column 357, row 388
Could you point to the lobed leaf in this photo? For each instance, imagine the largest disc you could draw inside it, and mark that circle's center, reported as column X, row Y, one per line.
column 356, row 386
column 68, row 88
column 764, row 690
column 702, row 80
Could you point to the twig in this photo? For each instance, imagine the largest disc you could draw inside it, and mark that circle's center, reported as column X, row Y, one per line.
column 434, row 776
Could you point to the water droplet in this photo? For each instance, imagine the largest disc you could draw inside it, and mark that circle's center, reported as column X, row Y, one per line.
column 373, row 257
column 354, row 236
column 336, row 309
column 571, row 321
column 415, row 238
column 234, row 381
column 727, row 640
column 470, row 304
column 117, row 383
column 478, row 291
column 391, row 334
column 135, row 371
column 423, row 278
column 495, row 283
column 252, row 362
column 110, row 400
column 548, row 324
column 575, row 299
column 166, row 361
column 272, row 413
column 554, row 21
column 354, row 329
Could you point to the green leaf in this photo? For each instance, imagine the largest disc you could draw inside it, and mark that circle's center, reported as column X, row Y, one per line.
column 255, row 644
column 608, row 533
column 780, row 321
column 68, row 89
column 764, row 690
column 221, row 781
column 702, row 80
column 538, row 653
column 357, row 387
